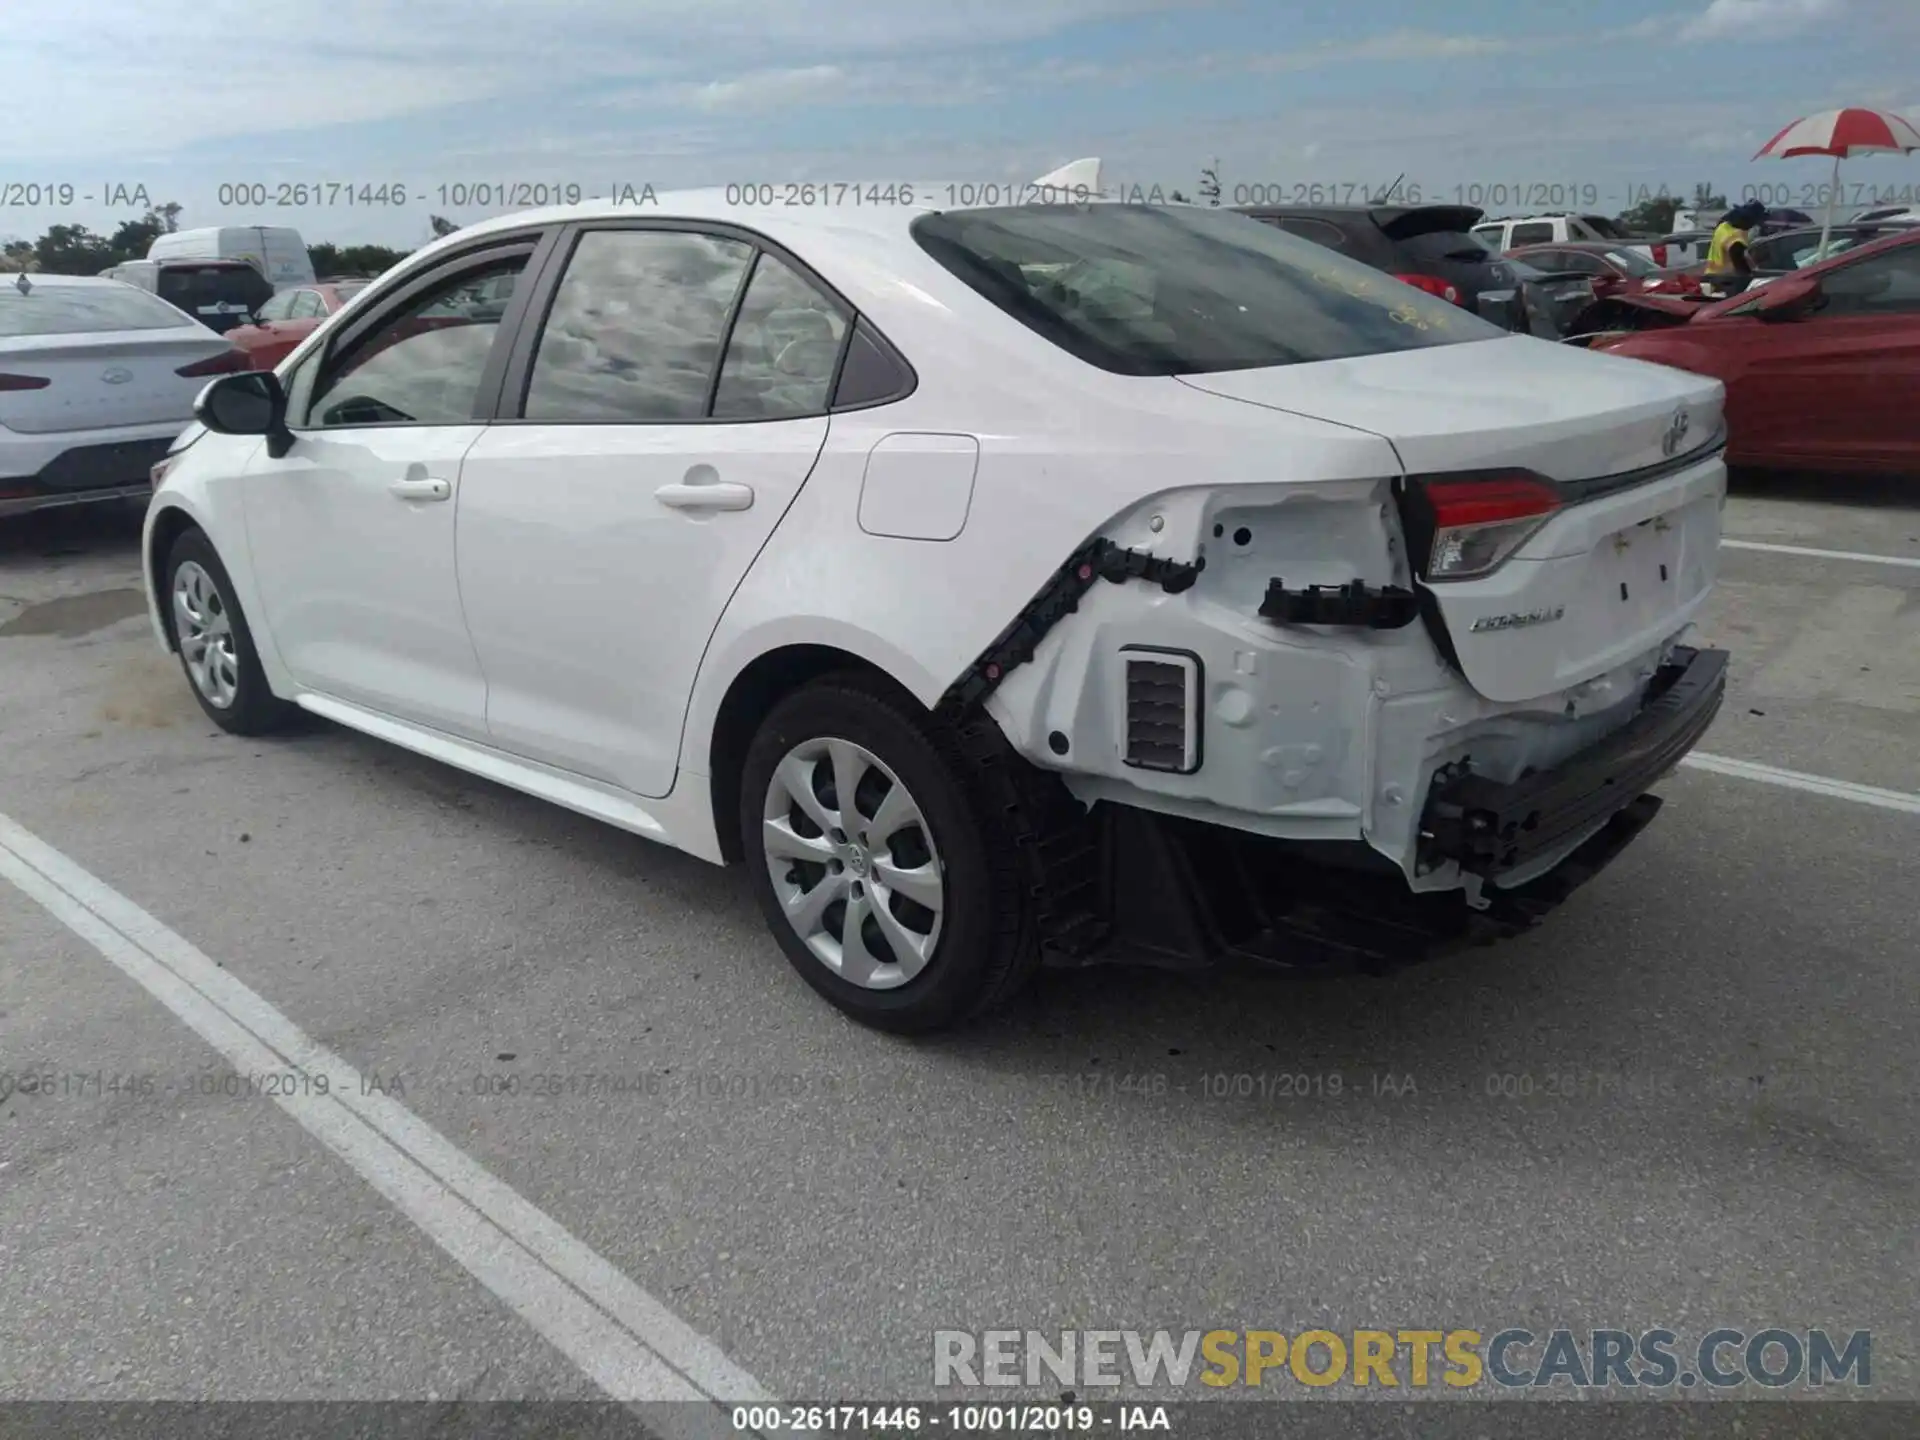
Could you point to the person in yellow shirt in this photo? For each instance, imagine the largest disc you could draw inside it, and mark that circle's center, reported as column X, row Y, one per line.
column 1729, row 266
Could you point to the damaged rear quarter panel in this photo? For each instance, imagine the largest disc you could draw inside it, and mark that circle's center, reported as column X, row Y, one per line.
column 1071, row 451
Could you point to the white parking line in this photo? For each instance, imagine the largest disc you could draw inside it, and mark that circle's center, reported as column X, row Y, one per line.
column 1909, row 561
column 1814, row 784
column 626, row 1341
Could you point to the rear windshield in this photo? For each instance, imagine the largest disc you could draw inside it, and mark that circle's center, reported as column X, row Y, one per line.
column 1145, row 290
column 1431, row 246
column 221, row 296
column 81, row 309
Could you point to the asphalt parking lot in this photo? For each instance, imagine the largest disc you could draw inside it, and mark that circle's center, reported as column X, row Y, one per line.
column 1733, row 1007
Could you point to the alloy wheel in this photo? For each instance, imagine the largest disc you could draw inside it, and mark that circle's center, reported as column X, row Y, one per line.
column 205, row 632
column 853, row 863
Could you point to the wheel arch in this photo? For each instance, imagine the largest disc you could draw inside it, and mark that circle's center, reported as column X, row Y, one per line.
column 755, row 689
column 164, row 527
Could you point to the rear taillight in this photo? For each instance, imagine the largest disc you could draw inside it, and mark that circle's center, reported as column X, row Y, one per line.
column 1660, row 256
column 1478, row 521
column 215, row 365
column 1433, row 285
column 23, row 382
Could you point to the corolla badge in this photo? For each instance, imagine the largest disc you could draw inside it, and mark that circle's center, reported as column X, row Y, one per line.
column 1545, row 615
column 116, row 375
column 1676, row 435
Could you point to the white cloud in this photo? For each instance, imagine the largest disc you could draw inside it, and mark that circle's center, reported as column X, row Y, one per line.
column 238, row 68
column 1761, row 19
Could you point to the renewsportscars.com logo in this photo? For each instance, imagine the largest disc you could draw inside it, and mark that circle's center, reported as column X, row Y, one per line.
column 1454, row 1359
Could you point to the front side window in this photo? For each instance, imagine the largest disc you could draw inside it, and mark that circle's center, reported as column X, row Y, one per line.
column 423, row 365
column 306, row 306
column 636, row 327
column 1146, row 290
column 280, row 307
column 1533, row 234
column 783, row 350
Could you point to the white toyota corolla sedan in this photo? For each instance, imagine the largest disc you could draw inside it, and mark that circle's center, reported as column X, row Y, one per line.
column 1051, row 582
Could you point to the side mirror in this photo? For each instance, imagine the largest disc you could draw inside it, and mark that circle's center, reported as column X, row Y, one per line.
column 248, row 403
column 1790, row 298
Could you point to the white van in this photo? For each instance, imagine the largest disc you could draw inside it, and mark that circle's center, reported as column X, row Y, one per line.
column 276, row 251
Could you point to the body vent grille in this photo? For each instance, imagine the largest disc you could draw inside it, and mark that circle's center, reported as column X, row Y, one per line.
column 1162, row 709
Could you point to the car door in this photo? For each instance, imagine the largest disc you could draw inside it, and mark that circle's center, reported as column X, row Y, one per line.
column 1849, row 373
column 653, row 430
column 352, row 528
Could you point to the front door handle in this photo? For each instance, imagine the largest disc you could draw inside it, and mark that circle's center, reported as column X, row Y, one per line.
column 421, row 489
column 720, row 495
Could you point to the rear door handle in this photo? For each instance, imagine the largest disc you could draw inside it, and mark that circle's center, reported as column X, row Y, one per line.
column 720, row 495
column 421, row 489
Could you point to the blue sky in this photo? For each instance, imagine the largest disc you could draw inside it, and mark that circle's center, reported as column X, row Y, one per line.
column 1587, row 104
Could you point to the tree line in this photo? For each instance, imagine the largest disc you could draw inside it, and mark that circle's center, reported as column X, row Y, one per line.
column 76, row 250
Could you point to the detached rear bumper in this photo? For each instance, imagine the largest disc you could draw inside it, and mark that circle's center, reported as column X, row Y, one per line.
column 1492, row 828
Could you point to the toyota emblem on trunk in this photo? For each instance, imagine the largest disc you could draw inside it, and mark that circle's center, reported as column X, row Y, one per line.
column 118, row 375
column 1676, row 433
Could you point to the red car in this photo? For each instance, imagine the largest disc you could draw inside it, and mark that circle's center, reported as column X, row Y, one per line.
column 288, row 318
column 1822, row 367
column 1614, row 269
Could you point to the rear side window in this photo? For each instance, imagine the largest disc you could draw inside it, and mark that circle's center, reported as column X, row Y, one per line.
column 1432, row 246
column 636, row 327
column 783, row 350
column 1537, row 232
column 1145, row 290
column 82, row 310
column 1489, row 235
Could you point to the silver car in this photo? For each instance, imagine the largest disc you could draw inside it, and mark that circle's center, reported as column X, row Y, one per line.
column 96, row 378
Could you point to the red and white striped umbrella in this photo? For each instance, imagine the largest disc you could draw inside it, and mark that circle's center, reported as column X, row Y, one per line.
column 1842, row 134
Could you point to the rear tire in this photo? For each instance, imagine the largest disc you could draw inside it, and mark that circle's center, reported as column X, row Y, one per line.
column 902, row 906
column 216, row 648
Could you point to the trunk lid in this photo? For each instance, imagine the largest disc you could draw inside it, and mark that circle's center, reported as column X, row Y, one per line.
column 1624, row 564
column 99, row 381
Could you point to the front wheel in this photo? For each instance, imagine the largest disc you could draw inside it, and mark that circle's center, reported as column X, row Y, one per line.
column 216, row 647
column 883, row 880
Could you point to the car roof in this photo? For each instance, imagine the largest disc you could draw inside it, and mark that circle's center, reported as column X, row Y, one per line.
column 707, row 205
column 1599, row 247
